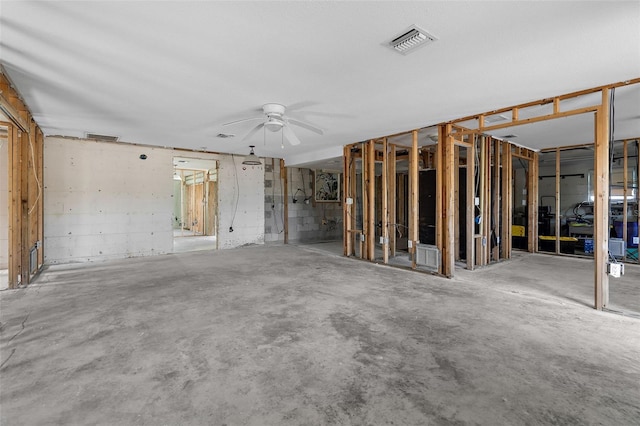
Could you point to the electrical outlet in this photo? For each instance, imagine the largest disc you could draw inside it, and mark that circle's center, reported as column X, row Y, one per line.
column 615, row 270
column 409, row 244
column 349, row 201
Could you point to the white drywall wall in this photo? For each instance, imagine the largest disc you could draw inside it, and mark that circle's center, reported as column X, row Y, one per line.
column 4, row 206
column 103, row 202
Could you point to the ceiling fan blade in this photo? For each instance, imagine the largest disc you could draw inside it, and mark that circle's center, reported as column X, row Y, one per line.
column 243, row 120
column 300, row 105
column 253, row 131
column 307, row 112
column 291, row 137
column 306, row 125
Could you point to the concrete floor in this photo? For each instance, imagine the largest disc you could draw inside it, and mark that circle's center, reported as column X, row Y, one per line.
column 197, row 243
column 291, row 335
column 4, row 279
column 567, row 277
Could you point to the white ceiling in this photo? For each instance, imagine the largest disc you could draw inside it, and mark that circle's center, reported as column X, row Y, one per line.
column 171, row 73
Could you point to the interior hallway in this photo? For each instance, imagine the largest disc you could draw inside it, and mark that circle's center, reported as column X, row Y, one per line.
column 277, row 335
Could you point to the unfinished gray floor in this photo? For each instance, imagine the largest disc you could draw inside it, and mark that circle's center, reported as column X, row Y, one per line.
column 283, row 335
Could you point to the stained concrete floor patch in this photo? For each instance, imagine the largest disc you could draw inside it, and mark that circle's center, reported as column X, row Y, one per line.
column 282, row 335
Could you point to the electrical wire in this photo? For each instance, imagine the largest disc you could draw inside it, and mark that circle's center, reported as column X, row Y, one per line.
column 35, row 174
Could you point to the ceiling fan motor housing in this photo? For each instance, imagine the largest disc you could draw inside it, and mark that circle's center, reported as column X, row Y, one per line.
column 274, row 113
column 273, row 109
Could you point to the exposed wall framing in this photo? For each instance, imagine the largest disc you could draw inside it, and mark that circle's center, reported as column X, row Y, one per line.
column 601, row 166
column 388, row 211
column 25, row 183
column 489, row 188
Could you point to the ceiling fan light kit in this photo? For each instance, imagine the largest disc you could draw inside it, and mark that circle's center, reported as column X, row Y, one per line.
column 251, row 159
column 273, row 124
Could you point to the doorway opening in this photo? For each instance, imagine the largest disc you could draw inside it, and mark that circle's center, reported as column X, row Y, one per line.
column 195, row 207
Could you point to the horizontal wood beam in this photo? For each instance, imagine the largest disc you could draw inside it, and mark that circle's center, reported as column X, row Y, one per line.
column 13, row 113
column 547, row 101
column 546, row 117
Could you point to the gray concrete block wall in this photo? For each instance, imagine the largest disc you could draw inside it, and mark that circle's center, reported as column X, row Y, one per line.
column 307, row 222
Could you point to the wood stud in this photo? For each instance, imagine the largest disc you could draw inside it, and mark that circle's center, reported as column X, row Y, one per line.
column 393, row 196
column 385, row 202
column 601, row 204
column 413, row 197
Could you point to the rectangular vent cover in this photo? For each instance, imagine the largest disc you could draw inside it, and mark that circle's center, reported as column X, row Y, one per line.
column 428, row 256
column 104, row 138
column 617, row 247
column 33, row 261
column 410, row 40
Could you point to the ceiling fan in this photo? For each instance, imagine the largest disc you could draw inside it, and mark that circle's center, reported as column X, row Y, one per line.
column 274, row 120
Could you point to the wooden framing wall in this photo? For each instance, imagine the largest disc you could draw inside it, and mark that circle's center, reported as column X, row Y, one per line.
column 492, row 174
column 383, row 204
column 25, row 143
column 601, row 166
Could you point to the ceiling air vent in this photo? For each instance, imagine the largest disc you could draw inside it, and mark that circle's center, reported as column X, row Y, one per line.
column 495, row 118
column 102, row 138
column 225, row 135
column 410, row 40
